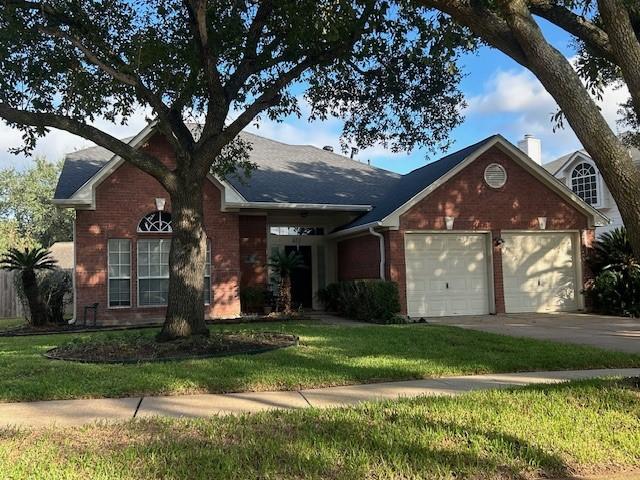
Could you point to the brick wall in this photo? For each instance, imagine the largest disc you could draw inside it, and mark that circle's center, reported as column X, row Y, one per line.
column 253, row 250
column 359, row 258
column 121, row 201
column 475, row 206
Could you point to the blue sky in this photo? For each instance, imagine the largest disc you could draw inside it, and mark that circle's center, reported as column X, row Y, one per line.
column 502, row 98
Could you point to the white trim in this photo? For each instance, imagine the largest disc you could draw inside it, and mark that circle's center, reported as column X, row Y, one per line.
column 599, row 189
column 393, row 219
column 382, row 253
column 74, row 284
column 357, row 229
column 119, row 307
column 303, row 206
column 149, row 239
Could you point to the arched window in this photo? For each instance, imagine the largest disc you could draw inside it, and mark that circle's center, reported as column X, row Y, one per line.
column 584, row 182
column 155, row 222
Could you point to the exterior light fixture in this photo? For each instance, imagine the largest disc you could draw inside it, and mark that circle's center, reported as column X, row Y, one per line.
column 499, row 242
column 449, row 222
column 160, row 204
column 542, row 223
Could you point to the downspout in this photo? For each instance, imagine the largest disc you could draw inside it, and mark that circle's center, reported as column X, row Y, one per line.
column 382, row 259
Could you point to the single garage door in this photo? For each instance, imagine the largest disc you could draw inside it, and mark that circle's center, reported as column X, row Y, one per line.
column 539, row 272
column 446, row 274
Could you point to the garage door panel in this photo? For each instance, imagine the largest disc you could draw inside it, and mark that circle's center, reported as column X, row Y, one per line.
column 446, row 274
column 539, row 272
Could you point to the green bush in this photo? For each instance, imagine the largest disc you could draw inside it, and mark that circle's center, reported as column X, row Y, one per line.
column 56, row 291
column 615, row 288
column 252, row 299
column 373, row 301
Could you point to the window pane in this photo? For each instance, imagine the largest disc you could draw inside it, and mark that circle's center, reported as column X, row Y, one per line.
column 207, row 290
column 119, row 272
column 153, row 291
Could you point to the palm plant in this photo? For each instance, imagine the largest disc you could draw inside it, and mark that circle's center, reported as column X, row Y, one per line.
column 615, row 287
column 283, row 265
column 613, row 252
column 27, row 262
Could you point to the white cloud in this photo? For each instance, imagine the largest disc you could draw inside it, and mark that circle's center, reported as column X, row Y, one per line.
column 518, row 104
column 56, row 143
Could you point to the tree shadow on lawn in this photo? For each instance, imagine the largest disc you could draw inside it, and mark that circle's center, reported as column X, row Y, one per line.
column 332, row 444
column 324, row 357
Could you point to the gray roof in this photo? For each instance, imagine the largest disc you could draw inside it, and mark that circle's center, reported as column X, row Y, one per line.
column 79, row 167
column 554, row 166
column 414, row 182
column 307, row 174
column 300, row 174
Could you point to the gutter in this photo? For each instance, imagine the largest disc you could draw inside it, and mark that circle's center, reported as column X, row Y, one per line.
column 382, row 259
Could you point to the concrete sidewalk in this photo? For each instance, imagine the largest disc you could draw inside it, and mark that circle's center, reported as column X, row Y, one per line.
column 77, row 412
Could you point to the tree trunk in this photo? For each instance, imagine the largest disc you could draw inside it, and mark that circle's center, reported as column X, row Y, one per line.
column 37, row 309
column 563, row 83
column 285, row 294
column 187, row 258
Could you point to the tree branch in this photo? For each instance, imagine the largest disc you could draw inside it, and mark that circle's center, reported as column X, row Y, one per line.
column 577, row 25
column 625, row 43
column 141, row 160
column 170, row 120
column 483, row 22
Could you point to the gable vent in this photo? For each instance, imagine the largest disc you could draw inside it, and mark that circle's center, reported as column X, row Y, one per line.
column 495, row 175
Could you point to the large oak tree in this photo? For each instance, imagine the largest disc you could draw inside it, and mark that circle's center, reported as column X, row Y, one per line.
column 389, row 72
column 608, row 35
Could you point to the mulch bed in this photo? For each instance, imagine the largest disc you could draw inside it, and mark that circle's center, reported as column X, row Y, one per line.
column 27, row 330
column 146, row 349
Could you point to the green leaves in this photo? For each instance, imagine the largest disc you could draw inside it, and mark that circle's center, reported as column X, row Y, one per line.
column 27, row 214
column 29, row 259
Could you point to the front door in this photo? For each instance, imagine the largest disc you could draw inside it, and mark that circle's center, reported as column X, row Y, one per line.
column 301, row 278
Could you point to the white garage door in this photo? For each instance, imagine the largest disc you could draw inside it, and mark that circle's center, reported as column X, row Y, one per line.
column 539, row 272
column 446, row 274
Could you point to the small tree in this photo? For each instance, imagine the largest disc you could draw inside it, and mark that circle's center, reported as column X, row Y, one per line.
column 27, row 263
column 283, row 266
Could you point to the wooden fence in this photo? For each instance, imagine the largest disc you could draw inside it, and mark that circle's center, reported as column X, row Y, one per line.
column 10, row 306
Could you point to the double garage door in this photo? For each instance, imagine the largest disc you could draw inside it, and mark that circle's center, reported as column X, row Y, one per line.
column 451, row 274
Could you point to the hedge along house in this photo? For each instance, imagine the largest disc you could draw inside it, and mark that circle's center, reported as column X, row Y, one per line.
column 483, row 230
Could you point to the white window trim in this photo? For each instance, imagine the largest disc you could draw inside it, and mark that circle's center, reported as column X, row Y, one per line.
column 138, row 278
column 207, row 304
column 119, row 307
column 599, row 191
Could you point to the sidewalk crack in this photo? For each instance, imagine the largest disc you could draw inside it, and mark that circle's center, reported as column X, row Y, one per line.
column 138, row 407
column 305, row 398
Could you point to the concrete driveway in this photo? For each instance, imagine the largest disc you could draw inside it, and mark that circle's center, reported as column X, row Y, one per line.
column 611, row 333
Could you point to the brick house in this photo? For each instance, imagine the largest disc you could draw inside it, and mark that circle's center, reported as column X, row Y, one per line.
column 482, row 230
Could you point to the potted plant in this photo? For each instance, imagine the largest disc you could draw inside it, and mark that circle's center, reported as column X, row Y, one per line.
column 283, row 265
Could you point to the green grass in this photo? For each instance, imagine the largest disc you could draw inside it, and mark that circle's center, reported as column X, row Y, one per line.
column 6, row 323
column 327, row 355
column 585, row 427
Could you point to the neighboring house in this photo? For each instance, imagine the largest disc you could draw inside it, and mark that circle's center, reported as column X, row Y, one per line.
column 62, row 253
column 482, row 230
column 578, row 171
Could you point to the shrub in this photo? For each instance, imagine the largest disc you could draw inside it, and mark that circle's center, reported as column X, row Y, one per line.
column 373, row 301
column 615, row 288
column 56, row 292
column 252, row 299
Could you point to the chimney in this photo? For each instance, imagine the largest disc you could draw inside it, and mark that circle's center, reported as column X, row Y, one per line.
column 532, row 147
column 328, row 148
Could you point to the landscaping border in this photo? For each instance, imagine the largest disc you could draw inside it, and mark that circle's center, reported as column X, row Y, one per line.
column 16, row 332
column 295, row 340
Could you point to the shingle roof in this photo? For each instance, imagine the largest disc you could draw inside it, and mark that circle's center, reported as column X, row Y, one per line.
column 285, row 173
column 413, row 183
column 79, row 167
column 307, row 174
column 300, row 174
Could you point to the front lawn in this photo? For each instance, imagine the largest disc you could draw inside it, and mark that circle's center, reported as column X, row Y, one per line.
column 552, row 431
column 9, row 323
column 327, row 355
